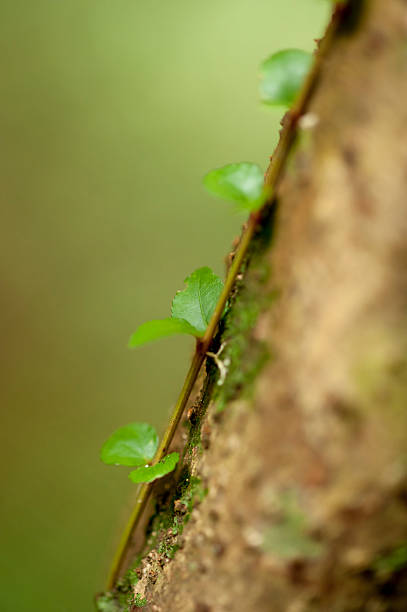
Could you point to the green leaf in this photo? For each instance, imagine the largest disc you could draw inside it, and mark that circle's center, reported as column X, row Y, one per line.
column 153, row 330
column 133, row 444
column 152, row 472
column 282, row 75
column 242, row 183
column 192, row 309
column 197, row 302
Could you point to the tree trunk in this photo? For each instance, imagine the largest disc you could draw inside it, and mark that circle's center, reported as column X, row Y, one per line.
column 293, row 491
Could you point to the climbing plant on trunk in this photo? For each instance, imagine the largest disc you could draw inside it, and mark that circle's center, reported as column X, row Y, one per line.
column 290, row 492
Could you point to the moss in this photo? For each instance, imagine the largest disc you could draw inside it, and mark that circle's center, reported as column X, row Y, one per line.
column 140, row 601
column 172, row 513
column 244, row 355
column 121, row 599
column 288, row 538
column 381, row 380
column 197, row 412
column 393, row 561
column 107, row 603
column 287, row 541
column 192, row 493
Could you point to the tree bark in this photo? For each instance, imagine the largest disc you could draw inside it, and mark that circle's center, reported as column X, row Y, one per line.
column 293, row 491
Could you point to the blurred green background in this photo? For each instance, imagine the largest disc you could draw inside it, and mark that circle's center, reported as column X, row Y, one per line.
column 111, row 112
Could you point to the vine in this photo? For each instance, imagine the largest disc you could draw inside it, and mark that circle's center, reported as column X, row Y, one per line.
column 288, row 79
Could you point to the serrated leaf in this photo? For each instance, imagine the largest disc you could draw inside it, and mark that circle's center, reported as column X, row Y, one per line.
column 197, row 301
column 242, row 183
column 152, row 472
column 133, row 444
column 282, row 75
column 154, row 330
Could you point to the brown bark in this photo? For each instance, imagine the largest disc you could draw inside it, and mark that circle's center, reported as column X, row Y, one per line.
column 305, row 468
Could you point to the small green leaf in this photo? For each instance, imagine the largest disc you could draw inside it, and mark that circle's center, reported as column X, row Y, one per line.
column 133, row 444
column 152, row 472
column 192, row 309
column 153, row 330
column 282, row 75
column 197, row 301
column 242, row 183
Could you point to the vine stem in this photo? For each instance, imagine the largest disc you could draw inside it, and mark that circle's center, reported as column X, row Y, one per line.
column 272, row 176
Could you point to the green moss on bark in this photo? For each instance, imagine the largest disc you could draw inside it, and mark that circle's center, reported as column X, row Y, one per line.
column 243, row 355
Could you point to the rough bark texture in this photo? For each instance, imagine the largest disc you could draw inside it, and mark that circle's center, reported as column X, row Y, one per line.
column 295, row 474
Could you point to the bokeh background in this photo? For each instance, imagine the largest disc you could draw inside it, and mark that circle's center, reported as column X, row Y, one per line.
column 111, row 112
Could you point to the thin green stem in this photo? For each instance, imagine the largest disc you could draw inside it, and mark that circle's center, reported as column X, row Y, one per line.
column 145, row 489
column 272, row 178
